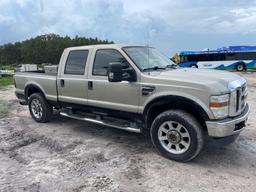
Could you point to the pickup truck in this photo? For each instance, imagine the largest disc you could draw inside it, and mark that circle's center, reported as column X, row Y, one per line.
column 138, row 89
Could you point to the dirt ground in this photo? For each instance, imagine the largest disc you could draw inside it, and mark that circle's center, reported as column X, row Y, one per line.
column 70, row 155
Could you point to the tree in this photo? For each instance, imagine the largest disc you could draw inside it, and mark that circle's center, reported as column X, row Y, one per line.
column 42, row 49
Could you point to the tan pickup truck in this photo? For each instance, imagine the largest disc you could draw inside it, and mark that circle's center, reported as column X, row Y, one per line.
column 136, row 88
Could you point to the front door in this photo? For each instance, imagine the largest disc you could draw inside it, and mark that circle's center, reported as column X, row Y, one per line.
column 122, row 96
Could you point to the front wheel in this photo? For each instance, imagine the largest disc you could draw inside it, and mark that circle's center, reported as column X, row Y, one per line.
column 193, row 66
column 39, row 108
column 177, row 135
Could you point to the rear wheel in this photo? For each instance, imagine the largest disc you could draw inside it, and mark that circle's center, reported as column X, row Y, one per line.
column 240, row 67
column 39, row 108
column 177, row 135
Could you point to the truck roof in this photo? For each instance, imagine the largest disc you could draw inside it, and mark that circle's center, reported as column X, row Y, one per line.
column 105, row 46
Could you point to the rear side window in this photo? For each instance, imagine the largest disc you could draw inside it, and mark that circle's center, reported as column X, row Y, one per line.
column 76, row 61
column 103, row 58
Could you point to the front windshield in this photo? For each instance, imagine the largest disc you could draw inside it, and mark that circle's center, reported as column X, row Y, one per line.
column 148, row 58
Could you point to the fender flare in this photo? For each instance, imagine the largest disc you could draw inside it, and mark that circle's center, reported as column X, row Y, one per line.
column 164, row 99
column 32, row 85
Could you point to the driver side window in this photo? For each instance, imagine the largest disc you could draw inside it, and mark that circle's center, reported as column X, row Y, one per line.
column 105, row 56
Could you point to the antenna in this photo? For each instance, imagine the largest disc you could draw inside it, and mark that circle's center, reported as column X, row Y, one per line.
column 148, row 38
column 148, row 54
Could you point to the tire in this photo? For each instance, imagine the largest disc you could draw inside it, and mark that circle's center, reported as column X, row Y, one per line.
column 188, row 131
column 39, row 108
column 193, row 66
column 240, row 67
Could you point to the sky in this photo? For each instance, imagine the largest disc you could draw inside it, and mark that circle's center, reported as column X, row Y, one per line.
column 169, row 25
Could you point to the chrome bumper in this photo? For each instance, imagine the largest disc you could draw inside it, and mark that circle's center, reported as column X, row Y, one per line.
column 228, row 126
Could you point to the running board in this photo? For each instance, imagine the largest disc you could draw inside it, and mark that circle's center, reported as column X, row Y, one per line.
column 99, row 121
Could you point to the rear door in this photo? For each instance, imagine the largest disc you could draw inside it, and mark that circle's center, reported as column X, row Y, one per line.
column 72, row 80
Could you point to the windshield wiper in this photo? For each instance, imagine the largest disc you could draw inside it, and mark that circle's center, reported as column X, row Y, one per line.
column 155, row 68
column 172, row 66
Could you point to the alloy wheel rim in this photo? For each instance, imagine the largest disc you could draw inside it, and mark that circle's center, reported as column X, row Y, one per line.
column 36, row 108
column 174, row 137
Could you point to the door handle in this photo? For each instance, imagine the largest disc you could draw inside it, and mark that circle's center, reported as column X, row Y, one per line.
column 62, row 83
column 90, row 85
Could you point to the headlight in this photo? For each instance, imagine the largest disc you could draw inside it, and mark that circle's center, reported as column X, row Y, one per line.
column 219, row 105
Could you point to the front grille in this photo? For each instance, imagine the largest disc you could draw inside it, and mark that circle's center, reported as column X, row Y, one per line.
column 238, row 100
column 241, row 98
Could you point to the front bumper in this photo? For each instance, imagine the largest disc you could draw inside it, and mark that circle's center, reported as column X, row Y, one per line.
column 228, row 126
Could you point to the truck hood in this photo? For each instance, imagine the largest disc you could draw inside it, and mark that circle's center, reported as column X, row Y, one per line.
column 201, row 75
column 216, row 79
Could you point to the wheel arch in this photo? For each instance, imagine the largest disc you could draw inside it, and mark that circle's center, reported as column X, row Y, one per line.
column 240, row 63
column 193, row 64
column 33, row 88
column 163, row 103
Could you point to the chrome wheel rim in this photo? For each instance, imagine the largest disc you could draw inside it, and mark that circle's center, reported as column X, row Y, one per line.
column 174, row 137
column 36, row 108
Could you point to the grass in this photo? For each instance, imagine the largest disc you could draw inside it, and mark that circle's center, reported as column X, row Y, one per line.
column 5, row 81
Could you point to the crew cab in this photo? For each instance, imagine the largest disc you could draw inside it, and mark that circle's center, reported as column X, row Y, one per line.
column 138, row 89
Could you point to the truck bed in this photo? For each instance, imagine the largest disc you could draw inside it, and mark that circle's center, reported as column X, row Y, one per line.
column 45, row 81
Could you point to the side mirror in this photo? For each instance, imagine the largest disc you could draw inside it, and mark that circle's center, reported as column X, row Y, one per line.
column 129, row 75
column 115, row 72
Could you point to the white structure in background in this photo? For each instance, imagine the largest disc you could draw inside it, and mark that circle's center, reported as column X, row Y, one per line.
column 6, row 72
column 51, row 69
column 23, row 68
column 27, row 67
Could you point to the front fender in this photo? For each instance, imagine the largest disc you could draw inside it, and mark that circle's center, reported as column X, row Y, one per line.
column 156, row 96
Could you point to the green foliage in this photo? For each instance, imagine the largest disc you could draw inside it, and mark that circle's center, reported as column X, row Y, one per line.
column 42, row 49
column 5, row 81
column 7, row 67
